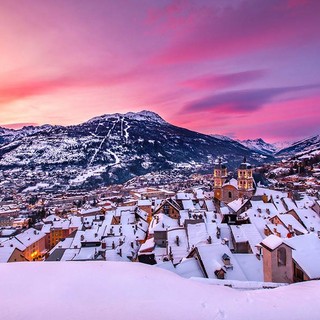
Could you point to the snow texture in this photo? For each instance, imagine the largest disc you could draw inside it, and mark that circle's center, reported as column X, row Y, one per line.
column 119, row 290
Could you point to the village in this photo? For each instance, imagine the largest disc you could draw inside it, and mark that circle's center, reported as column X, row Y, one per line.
column 230, row 229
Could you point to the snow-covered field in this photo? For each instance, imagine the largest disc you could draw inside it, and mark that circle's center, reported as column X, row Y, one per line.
column 113, row 290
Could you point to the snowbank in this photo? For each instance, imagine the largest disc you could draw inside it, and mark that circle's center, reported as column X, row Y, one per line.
column 112, row 290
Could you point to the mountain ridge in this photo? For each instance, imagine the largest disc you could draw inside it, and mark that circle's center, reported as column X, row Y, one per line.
column 115, row 148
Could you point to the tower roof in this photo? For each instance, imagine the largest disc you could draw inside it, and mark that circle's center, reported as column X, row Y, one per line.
column 244, row 164
column 219, row 164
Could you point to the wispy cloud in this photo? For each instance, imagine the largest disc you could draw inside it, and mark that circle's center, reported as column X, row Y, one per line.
column 242, row 101
column 218, row 81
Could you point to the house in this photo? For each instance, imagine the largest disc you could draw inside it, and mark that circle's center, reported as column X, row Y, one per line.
column 291, row 260
column 277, row 260
column 20, row 223
column 170, row 208
column 239, row 206
column 11, row 254
column 217, row 262
column 34, row 242
column 307, row 218
column 31, row 243
column 146, row 205
column 245, row 238
column 291, row 224
column 306, row 257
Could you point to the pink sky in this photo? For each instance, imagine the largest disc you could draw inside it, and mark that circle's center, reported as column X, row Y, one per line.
column 242, row 68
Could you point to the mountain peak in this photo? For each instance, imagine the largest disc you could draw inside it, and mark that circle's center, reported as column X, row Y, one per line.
column 259, row 145
column 143, row 115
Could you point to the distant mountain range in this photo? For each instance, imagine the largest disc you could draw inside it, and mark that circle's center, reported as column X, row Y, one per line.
column 285, row 149
column 306, row 147
column 116, row 147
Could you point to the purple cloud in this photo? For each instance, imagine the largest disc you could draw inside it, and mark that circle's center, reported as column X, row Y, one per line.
column 242, row 101
column 218, row 81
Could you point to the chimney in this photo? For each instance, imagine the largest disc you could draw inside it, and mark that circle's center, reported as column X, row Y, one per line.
column 225, row 241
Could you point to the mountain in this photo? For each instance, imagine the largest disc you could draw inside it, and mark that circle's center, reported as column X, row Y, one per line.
column 260, row 145
column 113, row 148
column 306, row 147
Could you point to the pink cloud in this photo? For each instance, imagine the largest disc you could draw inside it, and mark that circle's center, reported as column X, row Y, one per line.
column 11, row 91
column 245, row 28
column 276, row 121
column 16, row 126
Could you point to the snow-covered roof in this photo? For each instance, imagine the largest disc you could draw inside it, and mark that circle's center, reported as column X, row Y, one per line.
column 6, row 253
column 209, row 204
column 51, row 217
column 289, row 219
column 187, row 204
column 148, row 245
column 307, row 253
column 162, row 224
column 237, row 204
column 197, row 234
column 269, row 192
column 211, row 256
column 145, row 202
column 309, row 218
column 89, row 211
column 251, row 266
column 232, row 182
column 179, row 251
column 272, row 242
column 278, row 229
column 30, row 236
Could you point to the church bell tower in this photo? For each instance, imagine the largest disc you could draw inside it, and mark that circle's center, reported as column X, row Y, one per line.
column 219, row 178
column 245, row 179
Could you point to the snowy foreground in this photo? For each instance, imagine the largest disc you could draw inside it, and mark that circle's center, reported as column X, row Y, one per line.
column 113, row 290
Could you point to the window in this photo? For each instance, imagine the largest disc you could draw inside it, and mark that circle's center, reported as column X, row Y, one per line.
column 166, row 209
column 229, row 194
column 282, row 257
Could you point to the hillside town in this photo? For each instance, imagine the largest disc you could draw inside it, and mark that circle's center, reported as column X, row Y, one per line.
column 250, row 226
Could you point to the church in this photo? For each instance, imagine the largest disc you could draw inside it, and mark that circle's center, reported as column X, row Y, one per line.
column 227, row 189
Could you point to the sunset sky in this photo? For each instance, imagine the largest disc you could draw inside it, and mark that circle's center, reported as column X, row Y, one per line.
column 241, row 68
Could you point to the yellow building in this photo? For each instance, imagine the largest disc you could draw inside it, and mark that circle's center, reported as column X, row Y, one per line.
column 228, row 190
column 219, row 177
column 245, row 179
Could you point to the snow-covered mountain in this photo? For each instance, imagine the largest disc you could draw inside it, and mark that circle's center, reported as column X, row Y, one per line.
column 260, row 145
column 306, row 147
column 114, row 148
